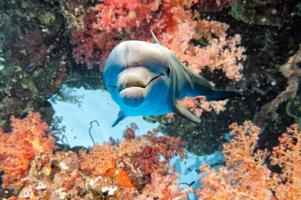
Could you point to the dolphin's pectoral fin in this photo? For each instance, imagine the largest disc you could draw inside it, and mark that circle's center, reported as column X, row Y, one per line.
column 120, row 117
column 182, row 111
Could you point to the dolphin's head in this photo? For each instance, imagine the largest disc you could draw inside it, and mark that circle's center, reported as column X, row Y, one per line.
column 135, row 84
column 137, row 76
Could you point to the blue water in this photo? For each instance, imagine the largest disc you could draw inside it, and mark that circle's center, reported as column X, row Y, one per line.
column 94, row 105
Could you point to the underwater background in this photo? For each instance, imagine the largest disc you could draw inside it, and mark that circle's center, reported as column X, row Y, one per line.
column 56, row 139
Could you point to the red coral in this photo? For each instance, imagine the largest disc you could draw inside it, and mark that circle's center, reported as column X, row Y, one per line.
column 19, row 147
column 168, row 145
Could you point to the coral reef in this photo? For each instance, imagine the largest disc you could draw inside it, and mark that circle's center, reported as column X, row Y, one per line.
column 292, row 72
column 136, row 167
column 34, row 57
column 39, row 39
column 266, row 12
column 44, row 43
column 213, row 6
column 249, row 173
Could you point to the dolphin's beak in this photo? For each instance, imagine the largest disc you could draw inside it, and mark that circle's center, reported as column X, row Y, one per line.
column 133, row 84
column 135, row 77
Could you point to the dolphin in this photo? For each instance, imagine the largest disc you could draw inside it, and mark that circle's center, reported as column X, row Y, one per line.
column 146, row 78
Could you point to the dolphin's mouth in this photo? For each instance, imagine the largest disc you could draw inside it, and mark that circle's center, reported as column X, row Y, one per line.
column 138, row 83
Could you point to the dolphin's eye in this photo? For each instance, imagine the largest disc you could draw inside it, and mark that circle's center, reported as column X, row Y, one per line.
column 168, row 71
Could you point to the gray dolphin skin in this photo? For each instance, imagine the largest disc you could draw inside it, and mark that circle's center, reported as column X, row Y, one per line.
column 147, row 79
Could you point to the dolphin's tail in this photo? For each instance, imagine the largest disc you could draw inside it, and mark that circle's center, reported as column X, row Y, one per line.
column 222, row 95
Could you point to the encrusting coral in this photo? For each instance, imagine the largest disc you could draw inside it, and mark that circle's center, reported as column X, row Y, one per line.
column 135, row 168
column 249, row 173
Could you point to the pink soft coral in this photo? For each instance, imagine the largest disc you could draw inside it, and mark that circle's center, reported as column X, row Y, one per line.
column 246, row 175
column 172, row 21
column 19, row 147
column 221, row 52
column 116, row 16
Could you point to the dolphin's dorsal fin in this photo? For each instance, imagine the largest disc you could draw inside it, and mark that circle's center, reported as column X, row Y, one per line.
column 154, row 40
column 120, row 117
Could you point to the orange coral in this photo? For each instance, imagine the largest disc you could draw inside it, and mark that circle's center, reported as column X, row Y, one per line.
column 246, row 176
column 141, row 153
column 15, row 198
column 136, row 168
column 19, row 147
column 287, row 155
column 100, row 161
column 123, row 179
